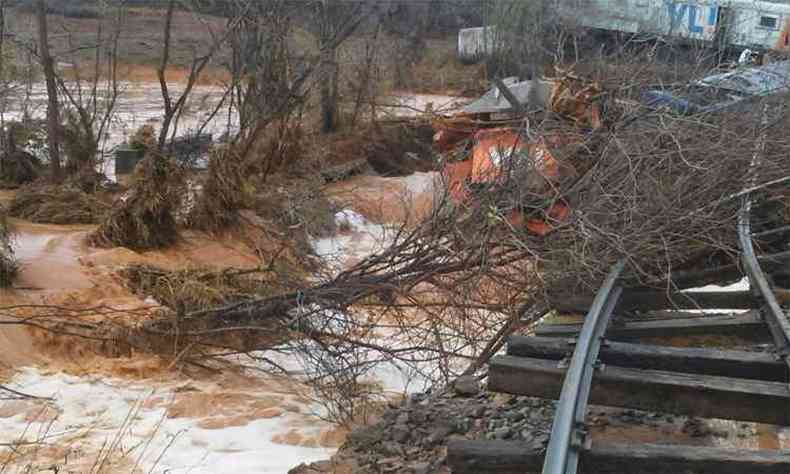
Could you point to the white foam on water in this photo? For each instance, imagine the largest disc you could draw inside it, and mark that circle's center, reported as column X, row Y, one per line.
column 357, row 239
column 93, row 410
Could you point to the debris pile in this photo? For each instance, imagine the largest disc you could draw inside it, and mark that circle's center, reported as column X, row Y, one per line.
column 225, row 192
column 584, row 180
column 19, row 167
column 146, row 218
column 192, row 289
column 486, row 145
column 58, row 204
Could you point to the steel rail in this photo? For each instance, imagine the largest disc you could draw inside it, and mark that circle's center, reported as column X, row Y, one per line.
column 567, row 434
column 773, row 314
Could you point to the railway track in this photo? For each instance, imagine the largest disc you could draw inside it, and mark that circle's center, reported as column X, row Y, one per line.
column 604, row 363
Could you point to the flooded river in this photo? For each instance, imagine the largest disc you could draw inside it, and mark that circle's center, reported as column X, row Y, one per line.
column 140, row 103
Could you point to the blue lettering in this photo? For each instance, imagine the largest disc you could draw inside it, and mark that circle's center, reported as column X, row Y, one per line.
column 676, row 13
column 678, row 10
column 693, row 26
column 713, row 15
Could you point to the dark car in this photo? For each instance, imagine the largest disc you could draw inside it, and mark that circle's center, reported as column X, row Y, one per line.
column 722, row 91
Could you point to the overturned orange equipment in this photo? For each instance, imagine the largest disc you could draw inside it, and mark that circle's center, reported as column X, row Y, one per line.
column 496, row 151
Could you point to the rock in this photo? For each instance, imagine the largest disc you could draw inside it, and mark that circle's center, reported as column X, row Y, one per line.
column 390, row 448
column 395, row 403
column 542, row 439
column 364, row 437
column 300, row 469
column 440, row 433
column 323, row 466
column 420, row 468
column 414, row 399
column 494, row 424
column 418, row 416
column 536, row 416
column 391, row 461
column 314, row 468
column 402, row 419
column 401, row 433
column 503, row 433
column 696, row 428
column 514, row 416
column 467, row 385
column 413, row 452
column 463, row 425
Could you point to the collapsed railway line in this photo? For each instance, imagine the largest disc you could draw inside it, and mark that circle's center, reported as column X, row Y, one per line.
column 604, row 363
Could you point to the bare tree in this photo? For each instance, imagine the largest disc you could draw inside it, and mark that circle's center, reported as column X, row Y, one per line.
column 90, row 102
column 147, row 218
column 53, row 105
column 366, row 77
column 334, row 22
column 173, row 108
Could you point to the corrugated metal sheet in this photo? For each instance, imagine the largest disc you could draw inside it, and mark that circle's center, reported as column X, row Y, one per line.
column 534, row 94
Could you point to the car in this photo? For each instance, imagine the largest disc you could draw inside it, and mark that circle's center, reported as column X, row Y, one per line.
column 721, row 91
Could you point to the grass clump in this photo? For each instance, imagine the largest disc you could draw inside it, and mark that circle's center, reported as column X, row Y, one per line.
column 146, row 218
column 58, row 204
column 192, row 289
column 225, row 192
column 19, row 167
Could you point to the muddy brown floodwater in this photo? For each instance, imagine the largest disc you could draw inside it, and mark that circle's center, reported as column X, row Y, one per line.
column 166, row 420
column 257, row 422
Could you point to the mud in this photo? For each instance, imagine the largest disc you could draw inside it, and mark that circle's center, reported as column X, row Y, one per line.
column 395, row 200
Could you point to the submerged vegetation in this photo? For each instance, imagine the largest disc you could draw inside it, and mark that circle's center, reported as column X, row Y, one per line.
column 146, row 218
column 192, row 289
column 58, row 204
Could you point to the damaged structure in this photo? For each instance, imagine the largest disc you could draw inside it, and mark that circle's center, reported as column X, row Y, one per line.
column 489, row 142
column 760, row 25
